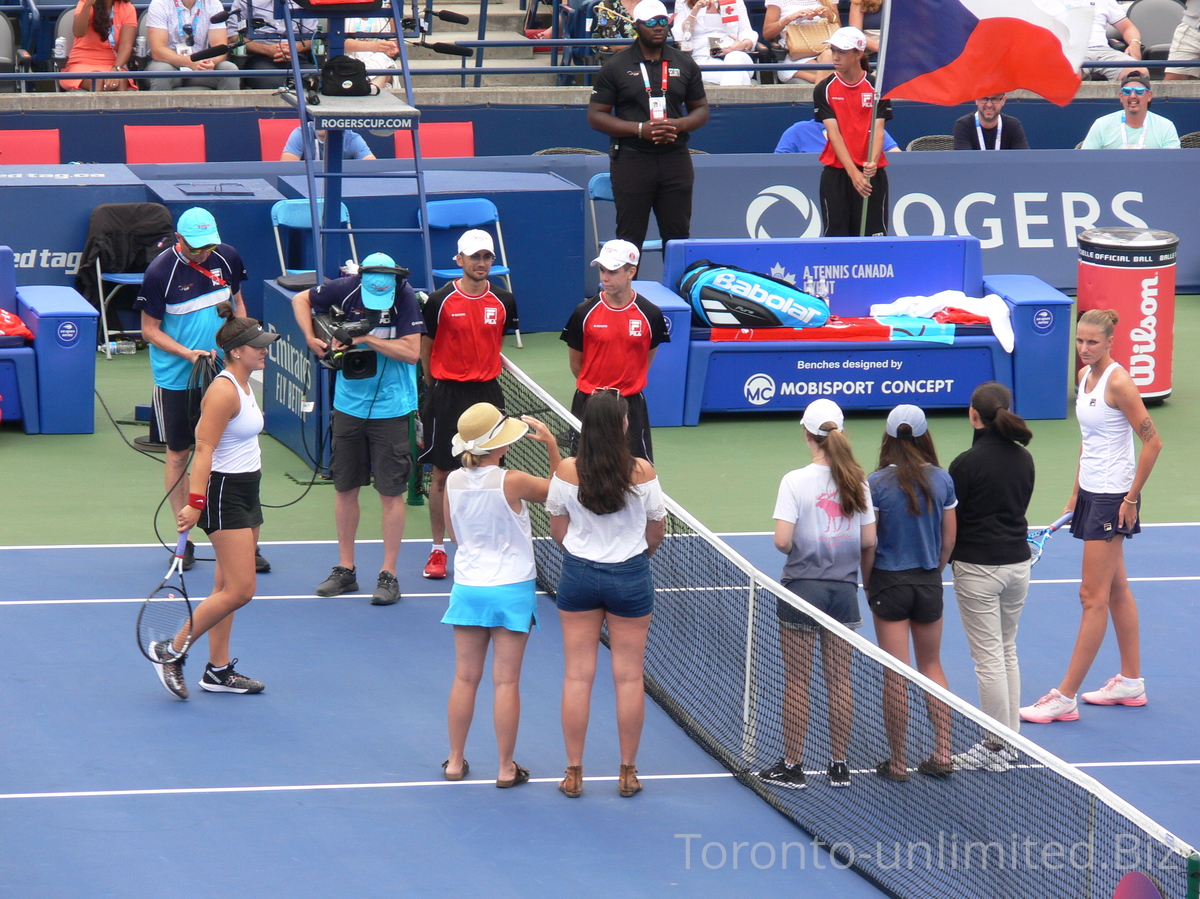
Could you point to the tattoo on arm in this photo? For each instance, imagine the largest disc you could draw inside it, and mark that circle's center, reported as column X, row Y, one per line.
column 1146, row 430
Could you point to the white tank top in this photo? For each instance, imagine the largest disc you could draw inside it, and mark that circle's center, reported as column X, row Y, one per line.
column 238, row 450
column 495, row 544
column 1107, row 462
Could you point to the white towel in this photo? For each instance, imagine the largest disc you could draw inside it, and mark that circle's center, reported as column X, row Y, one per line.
column 991, row 307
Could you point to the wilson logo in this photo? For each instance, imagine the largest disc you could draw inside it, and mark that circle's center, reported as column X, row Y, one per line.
column 1145, row 337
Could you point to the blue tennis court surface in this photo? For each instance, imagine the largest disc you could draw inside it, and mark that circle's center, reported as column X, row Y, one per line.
column 329, row 783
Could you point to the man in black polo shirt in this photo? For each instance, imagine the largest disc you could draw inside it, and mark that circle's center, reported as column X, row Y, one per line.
column 647, row 98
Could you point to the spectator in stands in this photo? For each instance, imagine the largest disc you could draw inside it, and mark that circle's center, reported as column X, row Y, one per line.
column 781, row 14
column 612, row 338
column 811, row 137
column 104, row 31
column 353, row 146
column 1110, row 12
column 1186, row 43
column 613, row 19
column 989, row 129
column 175, row 29
column 465, row 321
column 650, row 164
column 844, row 103
column 1135, row 127
column 375, row 53
column 269, row 48
column 716, row 32
column 859, row 10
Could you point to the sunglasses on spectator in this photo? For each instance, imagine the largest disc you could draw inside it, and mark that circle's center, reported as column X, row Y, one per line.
column 615, row 391
column 657, row 22
column 196, row 251
column 997, row 99
column 1134, row 90
column 189, row 35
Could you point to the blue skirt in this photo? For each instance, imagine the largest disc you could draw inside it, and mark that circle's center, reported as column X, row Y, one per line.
column 510, row 606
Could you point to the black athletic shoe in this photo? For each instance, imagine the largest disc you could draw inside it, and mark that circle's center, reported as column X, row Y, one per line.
column 839, row 774
column 341, row 580
column 387, row 590
column 189, row 556
column 228, row 680
column 784, row 775
column 261, row 565
column 170, row 668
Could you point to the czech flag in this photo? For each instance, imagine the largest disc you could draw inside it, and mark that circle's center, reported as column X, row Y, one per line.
column 948, row 52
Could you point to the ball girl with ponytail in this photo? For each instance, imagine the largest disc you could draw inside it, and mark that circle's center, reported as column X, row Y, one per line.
column 825, row 524
column 914, row 502
column 1107, row 505
column 993, row 481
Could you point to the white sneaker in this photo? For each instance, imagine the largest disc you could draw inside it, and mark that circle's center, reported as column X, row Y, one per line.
column 1117, row 692
column 981, row 757
column 1051, row 707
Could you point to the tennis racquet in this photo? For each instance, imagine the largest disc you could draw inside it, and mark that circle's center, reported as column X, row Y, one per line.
column 166, row 613
column 1038, row 538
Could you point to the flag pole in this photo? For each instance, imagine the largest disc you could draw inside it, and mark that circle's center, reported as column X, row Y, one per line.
column 883, row 38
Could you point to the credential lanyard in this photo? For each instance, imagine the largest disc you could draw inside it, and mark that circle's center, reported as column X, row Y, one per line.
column 999, row 131
column 646, row 78
column 215, row 278
column 1125, row 145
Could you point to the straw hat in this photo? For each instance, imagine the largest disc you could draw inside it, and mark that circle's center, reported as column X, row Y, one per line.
column 483, row 428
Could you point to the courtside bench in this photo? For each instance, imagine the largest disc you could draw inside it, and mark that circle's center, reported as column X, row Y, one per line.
column 730, row 371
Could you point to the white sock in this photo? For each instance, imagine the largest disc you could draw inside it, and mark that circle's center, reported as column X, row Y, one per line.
column 1131, row 681
column 440, row 545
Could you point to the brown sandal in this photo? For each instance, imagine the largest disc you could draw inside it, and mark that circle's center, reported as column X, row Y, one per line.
column 466, row 769
column 572, row 785
column 629, row 783
column 521, row 777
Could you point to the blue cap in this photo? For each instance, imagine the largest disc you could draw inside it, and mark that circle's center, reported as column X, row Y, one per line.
column 378, row 288
column 198, row 228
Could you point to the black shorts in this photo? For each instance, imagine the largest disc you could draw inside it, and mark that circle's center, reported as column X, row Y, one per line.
column 176, row 413
column 914, row 594
column 231, row 502
column 1096, row 516
column 444, row 403
column 362, row 446
column 640, row 443
column 841, row 204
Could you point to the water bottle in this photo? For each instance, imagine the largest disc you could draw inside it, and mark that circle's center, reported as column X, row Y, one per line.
column 141, row 48
column 122, row 347
column 60, row 48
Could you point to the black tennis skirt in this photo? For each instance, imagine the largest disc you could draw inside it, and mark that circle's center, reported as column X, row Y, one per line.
column 231, row 502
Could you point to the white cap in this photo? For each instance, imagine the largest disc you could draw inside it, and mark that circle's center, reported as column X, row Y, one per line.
column 475, row 240
column 907, row 415
column 847, row 38
column 649, row 9
column 617, row 253
column 819, row 413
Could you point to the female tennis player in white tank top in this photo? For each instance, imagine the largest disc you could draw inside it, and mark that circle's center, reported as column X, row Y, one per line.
column 493, row 599
column 226, row 471
column 1106, row 502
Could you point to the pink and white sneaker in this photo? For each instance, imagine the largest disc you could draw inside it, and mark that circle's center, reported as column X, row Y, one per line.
column 1051, row 707
column 1118, row 691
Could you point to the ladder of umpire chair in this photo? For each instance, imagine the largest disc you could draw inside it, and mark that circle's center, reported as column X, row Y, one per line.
column 381, row 113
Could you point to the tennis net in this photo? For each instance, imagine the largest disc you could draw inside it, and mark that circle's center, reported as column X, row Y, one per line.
column 714, row 663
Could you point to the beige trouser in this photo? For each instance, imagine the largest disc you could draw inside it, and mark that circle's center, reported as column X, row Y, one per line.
column 990, row 600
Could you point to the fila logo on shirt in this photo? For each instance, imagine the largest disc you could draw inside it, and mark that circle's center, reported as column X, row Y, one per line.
column 635, row 327
column 867, row 99
column 490, row 315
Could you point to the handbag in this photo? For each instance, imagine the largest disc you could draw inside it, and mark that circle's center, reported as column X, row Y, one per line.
column 345, row 76
column 807, row 39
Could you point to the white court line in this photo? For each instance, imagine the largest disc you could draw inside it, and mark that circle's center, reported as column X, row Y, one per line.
column 394, row 785
column 299, row 788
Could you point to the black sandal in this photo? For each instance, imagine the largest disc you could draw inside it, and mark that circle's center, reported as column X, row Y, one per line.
column 521, row 777
column 466, row 769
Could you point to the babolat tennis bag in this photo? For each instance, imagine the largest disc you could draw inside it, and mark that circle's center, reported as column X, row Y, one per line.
column 725, row 296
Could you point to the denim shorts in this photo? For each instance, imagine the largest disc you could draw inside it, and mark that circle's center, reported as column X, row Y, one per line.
column 837, row 599
column 623, row 589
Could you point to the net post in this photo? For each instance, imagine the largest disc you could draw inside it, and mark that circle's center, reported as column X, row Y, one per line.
column 749, row 703
column 1193, row 876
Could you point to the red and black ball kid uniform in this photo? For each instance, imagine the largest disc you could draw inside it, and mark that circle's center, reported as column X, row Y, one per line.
column 464, row 362
column 616, row 346
column 850, row 105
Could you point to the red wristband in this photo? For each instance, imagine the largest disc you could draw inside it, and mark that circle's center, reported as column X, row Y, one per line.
column 197, row 501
